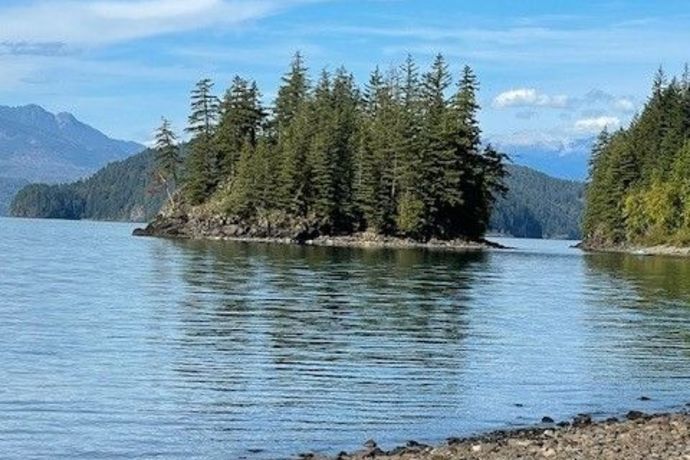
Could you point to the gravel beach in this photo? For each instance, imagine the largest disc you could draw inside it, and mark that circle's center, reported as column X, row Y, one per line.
column 635, row 436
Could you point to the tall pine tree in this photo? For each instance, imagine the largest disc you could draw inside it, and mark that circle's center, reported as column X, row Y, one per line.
column 202, row 168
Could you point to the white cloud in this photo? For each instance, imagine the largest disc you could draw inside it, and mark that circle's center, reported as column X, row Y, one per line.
column 101, row 22
column 624, row 104
column 596, row 124
column 529, row 97
column 549, row 43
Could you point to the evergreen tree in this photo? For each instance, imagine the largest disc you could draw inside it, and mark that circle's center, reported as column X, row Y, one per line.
column 168, row 157
column 291, row 133
column 437, row 154
column 410, row 212
column 346, row 120
column 202, row 169
column 292, row 93
column 368, row 188
column 241, row 119
column 322, row 153
column 637, row 192
column 402, row 158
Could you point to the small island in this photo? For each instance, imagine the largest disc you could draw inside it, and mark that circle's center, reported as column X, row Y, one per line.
column 638, row 199
column 397, row 163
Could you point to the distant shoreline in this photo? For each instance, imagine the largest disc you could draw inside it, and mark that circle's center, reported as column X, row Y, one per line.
column 658, row 250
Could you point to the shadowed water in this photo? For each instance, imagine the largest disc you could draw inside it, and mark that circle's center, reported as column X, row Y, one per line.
column 113, row 346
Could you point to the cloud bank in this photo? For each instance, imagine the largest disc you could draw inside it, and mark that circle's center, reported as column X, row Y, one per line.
column 529, row 97
column 596, row 124
column 103, row 22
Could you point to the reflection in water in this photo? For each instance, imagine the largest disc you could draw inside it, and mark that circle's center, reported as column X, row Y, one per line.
column 307, row 341
column 113, row 346
column 649, row 299
column 655, row 278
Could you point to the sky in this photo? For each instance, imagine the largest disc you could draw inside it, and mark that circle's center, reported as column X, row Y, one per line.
column 550, row 71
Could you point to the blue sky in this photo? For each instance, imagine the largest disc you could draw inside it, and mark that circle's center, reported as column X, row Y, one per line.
column 551, row 71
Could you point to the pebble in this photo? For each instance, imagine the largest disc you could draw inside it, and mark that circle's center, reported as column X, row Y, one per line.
column 548, row 453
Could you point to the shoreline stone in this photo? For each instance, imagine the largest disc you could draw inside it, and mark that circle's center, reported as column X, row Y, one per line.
column 658, row 250
column 288, row 231
column 637, row 436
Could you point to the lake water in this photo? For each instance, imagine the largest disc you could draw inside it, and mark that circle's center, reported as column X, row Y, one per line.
column 113, row 346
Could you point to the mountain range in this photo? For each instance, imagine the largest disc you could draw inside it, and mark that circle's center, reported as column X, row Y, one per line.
column 564, row 159
column 39, row 146
column 109, row 182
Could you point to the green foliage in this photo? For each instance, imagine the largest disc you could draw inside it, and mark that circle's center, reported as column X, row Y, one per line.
column 639, row 190
column 202, row 163
column 241, row 120
column 8, row 189
column 168, row 157
column 410, row 215
column 538, row 206
column 125, row 190
column 404, row 157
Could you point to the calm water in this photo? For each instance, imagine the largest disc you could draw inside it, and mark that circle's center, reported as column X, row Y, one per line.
column 112, row 346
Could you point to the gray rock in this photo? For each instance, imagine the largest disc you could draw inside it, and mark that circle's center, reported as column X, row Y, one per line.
column 582, row 420
column 635, row 415
column 370, row 444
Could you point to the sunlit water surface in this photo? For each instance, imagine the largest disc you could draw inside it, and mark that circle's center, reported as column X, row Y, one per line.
column 113, row 346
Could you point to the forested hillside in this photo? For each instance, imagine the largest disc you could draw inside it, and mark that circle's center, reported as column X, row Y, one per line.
column 123, row 190
column 535, row 206
column 639, row 190
column 8, row 188
column 377, row 159
column 36, row 145
column 39, row 146
column 539, row 206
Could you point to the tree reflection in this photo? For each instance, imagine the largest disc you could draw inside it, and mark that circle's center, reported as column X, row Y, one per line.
column 279, row 325
column 652, row 277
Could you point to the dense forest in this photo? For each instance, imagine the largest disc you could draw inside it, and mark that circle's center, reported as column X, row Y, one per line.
column 639, row 190
column 535, row 206
column 123, row 190
column 402, row 156
column 538, row 206
column 352, row 159
column 8, row 188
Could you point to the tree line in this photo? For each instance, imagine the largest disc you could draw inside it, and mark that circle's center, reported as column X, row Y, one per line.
column 128, row 190
column 639, row 188
column 539, row 206
column 400, row 156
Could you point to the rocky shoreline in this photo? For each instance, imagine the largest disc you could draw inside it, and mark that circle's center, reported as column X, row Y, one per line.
column 658, row 250
column 287, row 231
column 635, row 436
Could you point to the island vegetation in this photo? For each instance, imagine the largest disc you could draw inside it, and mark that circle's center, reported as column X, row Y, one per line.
column 639, row 189
column 401, row 157
column 374, row 177
column 535, row 206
